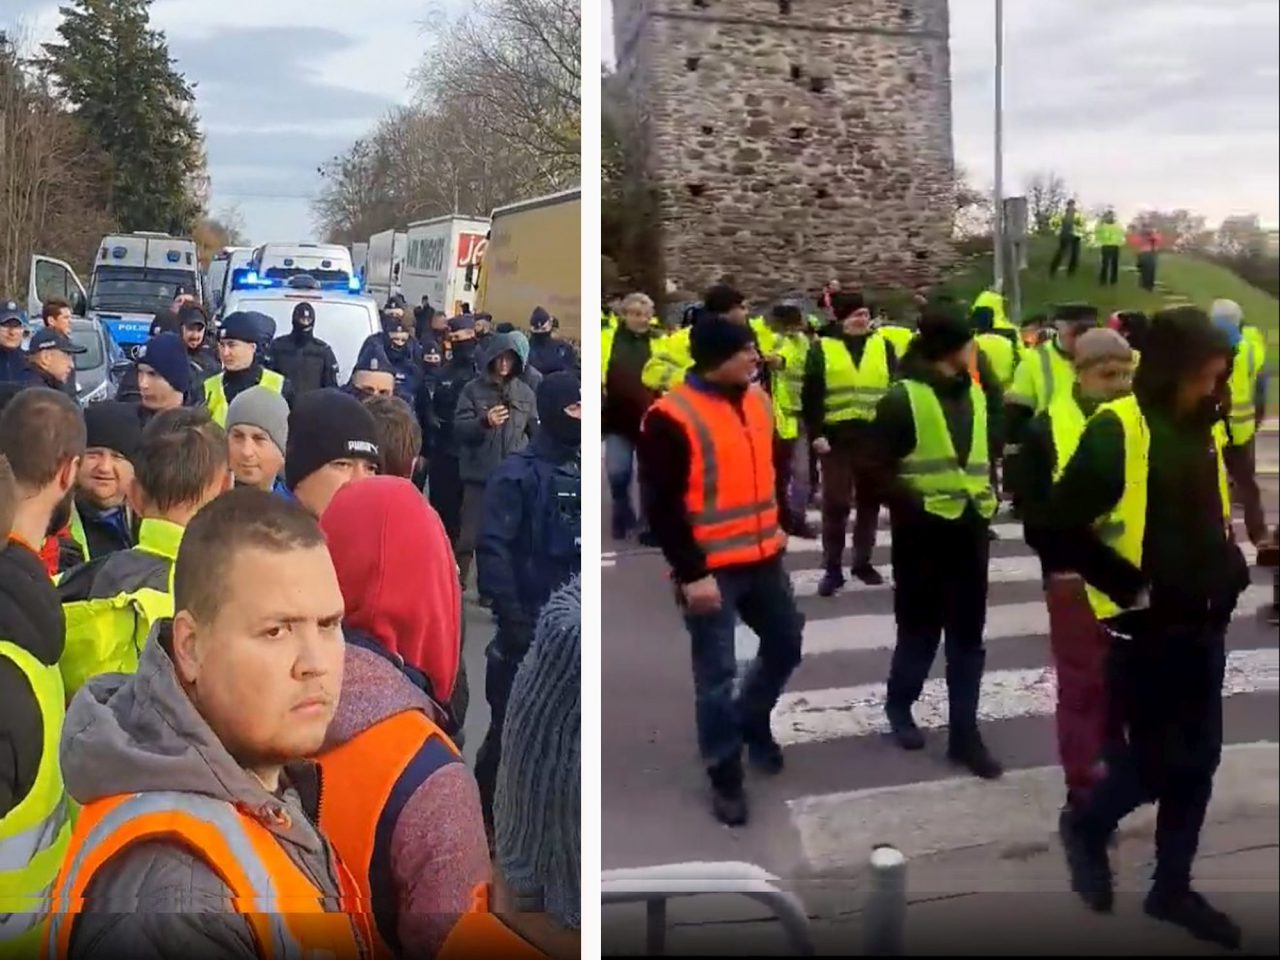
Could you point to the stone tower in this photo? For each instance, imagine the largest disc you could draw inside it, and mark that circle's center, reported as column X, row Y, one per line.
column 791, row 141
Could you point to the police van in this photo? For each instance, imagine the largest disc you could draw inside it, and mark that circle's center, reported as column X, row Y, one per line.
column 135, row 276
column 324, row 262
column 345, row 315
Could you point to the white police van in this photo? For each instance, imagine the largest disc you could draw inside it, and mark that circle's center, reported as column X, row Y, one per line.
column 135, row 276
column 345, row 315
column 325, row 262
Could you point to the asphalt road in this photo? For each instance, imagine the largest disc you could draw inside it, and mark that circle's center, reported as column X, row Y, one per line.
column 846, row 787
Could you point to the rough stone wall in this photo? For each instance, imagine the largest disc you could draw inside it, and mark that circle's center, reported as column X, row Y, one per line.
column 790, row 147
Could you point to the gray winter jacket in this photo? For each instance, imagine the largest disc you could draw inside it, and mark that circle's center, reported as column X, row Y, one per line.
column 482, row 447
column 141, row 734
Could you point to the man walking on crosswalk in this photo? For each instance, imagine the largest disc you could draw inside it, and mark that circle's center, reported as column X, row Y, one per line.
column 706, row 474
column 932, row 435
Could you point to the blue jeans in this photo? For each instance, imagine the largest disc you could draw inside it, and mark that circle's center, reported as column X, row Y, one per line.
column 619, row 467
column 761, row 595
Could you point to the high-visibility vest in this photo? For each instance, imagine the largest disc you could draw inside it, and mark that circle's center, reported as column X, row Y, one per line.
column 730, row 501
column 107, row 634
column 215, row 395
column 480, row 933
column 668, row 362
column 76, row 528
column 788, row 384
column 1244, row 377
column 283, row 907
column 608, row 319
column 900, row 337
column 34, row 834
column 1001, row 356
column 379, row 770
column 1124, row 527
column 607, row 340
column 1109, row 234
column 1043, row 376
column 852, row 392
column 932, row 468
column 1259, row 341
column 1066, row 423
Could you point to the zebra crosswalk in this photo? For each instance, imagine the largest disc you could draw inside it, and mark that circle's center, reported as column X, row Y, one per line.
column 834, row 705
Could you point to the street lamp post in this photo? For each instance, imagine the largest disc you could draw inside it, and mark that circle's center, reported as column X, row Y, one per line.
column 997, row 226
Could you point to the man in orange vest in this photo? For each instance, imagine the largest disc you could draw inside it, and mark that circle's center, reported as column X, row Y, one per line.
column 407, row 819
column 706, row 473
column 197, row 835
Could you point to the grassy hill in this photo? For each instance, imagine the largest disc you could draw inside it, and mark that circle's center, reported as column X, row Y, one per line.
column 1180, row 279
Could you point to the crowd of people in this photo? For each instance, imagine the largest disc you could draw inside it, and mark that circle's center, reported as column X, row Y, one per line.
column 1121, row 443
column 232, row 684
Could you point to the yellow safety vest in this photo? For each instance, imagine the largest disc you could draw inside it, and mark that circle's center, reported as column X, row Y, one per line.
column 1259, row 341
column 78, row 534
column 668, row 362
column 933, row 469
column 107, row 634
column 215, row 397
column 1109, row 235
column 1124, row 527
column 853, row 391
column 1066, row 422
column 34, row 835
column 900, row 337
column 1000, row 354
column 1244, row 378
column 788, row 384
column 1043, row 376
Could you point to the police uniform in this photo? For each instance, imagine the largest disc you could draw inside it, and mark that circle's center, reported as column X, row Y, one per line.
column 220, row 390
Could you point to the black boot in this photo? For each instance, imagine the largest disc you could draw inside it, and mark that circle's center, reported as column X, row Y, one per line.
column 1088, row 864
column 764, row 752
column 903, row 728
column 867, row 574
column 831, row 581
column 1192, row 912
column 728, row 799
column 968, row 750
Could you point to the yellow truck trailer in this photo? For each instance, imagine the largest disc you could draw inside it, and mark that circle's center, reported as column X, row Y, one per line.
column 534, row 259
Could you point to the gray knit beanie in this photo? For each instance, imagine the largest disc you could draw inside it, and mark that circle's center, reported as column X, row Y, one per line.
column 537, row 808
column 262, row 408
column 1099, row 345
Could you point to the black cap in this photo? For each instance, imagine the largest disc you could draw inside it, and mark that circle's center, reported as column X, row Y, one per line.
column 942, row 331
column 192, row 315
column 51, row 339
column 114, row 426
column 327, row 425
column 713, row 340
column 722, row 298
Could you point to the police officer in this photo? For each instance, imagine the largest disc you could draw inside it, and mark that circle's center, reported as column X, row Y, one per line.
column 933, row 447
column 437, row 417
column 240, row 346
column 547, row 352
column 305, row 361
column 49, row 360
column 530, row 544
column 404, row 353
column 13, row 359
column 846, row 374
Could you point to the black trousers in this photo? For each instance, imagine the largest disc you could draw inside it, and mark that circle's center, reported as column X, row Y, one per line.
column 1068, row 247
column 1241, row 463
column 502, row 659
column 846, row 483
column 1109, row 272
column 939, row 589
column 1165, row 683
column 446, row 493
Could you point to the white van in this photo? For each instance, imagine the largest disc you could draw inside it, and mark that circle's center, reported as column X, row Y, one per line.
column 384, row 264
column 220, row 267
column 323, row 261
column 135, row 276
column 344, row 320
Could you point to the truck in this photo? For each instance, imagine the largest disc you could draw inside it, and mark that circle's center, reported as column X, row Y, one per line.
column 441, row 261
column 135, row 276
column 384, row 263
column 359, row 257
column 534, row 259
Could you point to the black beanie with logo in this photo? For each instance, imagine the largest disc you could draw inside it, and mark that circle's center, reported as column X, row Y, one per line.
column 324, row 426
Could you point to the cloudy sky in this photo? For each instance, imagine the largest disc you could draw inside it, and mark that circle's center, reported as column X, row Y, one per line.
column 281, row 86
column 1141, row 104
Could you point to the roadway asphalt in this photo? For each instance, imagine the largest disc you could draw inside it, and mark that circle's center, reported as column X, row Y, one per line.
column 846, row 787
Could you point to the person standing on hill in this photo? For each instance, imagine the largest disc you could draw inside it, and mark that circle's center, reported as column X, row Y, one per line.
column 1069, row 226
column 1240, row 452
column 1110, row 238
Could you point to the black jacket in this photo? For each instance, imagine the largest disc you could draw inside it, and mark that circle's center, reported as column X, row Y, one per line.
column 437, row 406
column 548, row 354
column 626, row 398
column 31, row 617
column 204, row 362
column 306, row 362
column 13, row 364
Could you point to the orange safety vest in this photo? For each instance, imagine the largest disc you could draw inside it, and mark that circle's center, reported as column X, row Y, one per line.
column 283, row 907
column 379, row 769
column 730, row 500
column 480, row 933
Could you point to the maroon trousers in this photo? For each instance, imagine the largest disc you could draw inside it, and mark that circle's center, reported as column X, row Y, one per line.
column 1079, row 646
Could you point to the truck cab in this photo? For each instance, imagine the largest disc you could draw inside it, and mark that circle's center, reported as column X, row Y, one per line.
column 135, row 276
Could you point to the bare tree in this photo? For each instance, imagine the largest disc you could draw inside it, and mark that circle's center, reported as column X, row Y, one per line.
column 973, row 217
column 1047, row 194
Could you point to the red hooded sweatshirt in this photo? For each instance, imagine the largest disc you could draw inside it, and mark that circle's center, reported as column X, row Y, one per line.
column 398, row 575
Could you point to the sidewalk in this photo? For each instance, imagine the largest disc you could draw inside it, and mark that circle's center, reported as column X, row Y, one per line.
column 1001, row 899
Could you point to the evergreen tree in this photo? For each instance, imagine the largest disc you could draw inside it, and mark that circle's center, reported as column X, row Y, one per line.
column 115, row 72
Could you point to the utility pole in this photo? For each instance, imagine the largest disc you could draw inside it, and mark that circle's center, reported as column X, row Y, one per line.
column 997, row 207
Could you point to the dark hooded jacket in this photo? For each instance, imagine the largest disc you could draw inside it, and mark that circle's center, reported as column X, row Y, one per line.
column 482, row 447
column 307, row 362
column 141, row 734
column 31, row 618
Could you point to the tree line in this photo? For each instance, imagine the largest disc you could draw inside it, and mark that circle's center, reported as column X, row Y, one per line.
column 495, row 118
column 98, row 133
